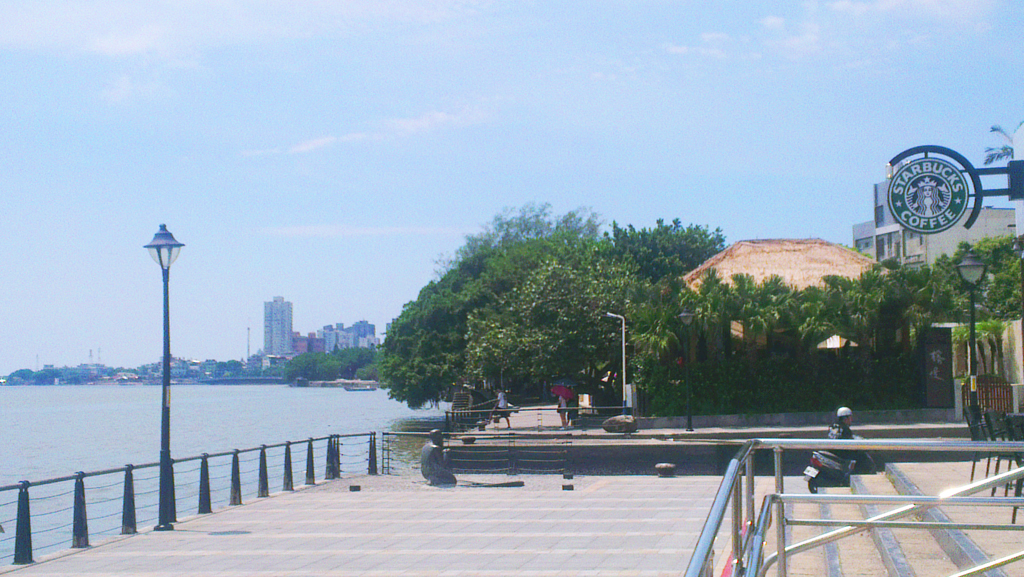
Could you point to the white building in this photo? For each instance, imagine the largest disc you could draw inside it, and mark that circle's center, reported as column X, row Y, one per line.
column 884, row 238
column 277, row 327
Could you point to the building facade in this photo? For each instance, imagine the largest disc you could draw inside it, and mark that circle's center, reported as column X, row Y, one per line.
column 361, row 334
column 884, row 238
column 277, row 327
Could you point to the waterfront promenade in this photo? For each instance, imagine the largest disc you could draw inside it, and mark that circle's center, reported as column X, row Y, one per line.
column 605, row 526
column 586, row 526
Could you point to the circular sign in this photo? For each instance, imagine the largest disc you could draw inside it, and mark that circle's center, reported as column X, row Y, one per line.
column 928, row 195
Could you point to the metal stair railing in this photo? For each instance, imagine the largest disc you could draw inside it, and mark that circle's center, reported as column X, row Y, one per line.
column 748, row 558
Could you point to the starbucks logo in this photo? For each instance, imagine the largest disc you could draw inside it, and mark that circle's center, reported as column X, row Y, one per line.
column 928, row 195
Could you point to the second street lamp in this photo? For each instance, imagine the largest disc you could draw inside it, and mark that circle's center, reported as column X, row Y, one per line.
column 971, row 270
column 164, row 250
column 625, row 402
column 687, row 317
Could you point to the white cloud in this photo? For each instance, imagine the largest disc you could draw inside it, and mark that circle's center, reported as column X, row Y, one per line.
column 940, row 9
column 806, row 42
column 342, row 231
column 124, row 89
column 311, row 145
column 393, row 128
column 773, row 23
column 171, row 29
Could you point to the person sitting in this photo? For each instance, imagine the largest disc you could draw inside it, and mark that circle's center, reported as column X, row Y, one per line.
column 434, row 461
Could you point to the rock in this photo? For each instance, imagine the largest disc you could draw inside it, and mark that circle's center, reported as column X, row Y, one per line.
column 665, row 469
column 620, row 424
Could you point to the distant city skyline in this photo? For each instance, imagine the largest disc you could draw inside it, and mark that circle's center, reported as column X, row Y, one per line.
column 333, row 152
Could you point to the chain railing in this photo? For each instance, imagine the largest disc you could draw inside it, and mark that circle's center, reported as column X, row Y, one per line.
column 55, row 513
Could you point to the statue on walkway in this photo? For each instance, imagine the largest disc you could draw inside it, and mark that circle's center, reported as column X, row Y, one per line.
column 434, row 461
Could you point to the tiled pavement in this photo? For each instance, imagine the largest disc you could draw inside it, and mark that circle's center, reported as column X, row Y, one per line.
column 605, row 526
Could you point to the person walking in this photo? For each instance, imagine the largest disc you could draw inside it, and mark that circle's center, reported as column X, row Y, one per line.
column 501, row 410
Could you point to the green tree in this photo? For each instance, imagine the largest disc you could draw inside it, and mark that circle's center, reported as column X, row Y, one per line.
column 425, row 351
column 312, row 367
column 667, row 249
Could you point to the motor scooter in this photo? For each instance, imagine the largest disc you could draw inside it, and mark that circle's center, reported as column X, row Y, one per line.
column 826, row 469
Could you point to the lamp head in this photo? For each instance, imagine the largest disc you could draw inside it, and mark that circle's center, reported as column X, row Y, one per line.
column 164, row 249
column 971, row 269
column 686, row 316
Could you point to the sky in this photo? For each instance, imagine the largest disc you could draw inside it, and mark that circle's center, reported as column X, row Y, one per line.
column 331, row 152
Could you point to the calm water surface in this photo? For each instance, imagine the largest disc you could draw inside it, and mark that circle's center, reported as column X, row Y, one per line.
column 55, row 431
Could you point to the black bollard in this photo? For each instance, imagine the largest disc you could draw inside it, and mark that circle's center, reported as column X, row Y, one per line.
column 236, row 481
column 128, row 526
column 23, row 535
column 371, row 467
column 205, row 505
column 264, row 489
column 337, row 456
column 80, row 528
column 310, row 473
column 329, row 469
column 288, row 482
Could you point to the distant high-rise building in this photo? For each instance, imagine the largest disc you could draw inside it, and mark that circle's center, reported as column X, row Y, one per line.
column 277, row 327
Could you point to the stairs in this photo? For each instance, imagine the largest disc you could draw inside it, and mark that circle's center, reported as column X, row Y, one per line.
column 899, row 552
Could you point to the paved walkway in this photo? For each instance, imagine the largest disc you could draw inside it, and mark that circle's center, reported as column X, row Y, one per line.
column 605, row 526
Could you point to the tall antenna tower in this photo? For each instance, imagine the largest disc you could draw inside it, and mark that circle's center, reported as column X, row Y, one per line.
column 247, row 343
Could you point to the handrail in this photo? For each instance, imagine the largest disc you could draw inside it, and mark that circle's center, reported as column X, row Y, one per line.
column 750, row 548
column 702, row 551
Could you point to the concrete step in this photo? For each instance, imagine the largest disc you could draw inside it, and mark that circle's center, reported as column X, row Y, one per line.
column 905, row 552
column 965, row 548
column 858, row 554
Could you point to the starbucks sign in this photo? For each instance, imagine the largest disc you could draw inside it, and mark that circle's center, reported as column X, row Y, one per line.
column 928, row 195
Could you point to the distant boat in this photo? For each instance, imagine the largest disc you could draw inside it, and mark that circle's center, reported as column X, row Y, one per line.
column 366, row 386
column 347, row 384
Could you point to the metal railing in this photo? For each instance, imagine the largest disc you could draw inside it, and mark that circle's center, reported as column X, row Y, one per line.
column 749, row 532
column 55, row 515
column 506, row 453
column 478, row 416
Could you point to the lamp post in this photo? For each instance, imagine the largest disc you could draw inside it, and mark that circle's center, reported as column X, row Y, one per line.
column 687, row 317
column 625, row 403
column 1018, row 247
column 971, row 270
column 164, row 249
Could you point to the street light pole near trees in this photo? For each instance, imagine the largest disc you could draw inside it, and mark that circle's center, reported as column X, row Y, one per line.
column 971, row 270
column 625, row 403
column 164, row 250
column 687, row 317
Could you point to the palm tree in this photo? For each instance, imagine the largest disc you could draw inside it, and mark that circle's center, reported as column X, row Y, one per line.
column 993, row 154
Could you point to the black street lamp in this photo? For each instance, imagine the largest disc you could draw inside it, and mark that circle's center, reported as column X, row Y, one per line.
column 971, row 270
column 164, row 249
column 687, row 317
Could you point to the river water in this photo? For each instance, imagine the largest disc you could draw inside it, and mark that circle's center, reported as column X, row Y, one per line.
column 55, row 431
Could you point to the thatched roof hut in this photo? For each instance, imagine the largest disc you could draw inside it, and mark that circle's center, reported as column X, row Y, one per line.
column 800, row 262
